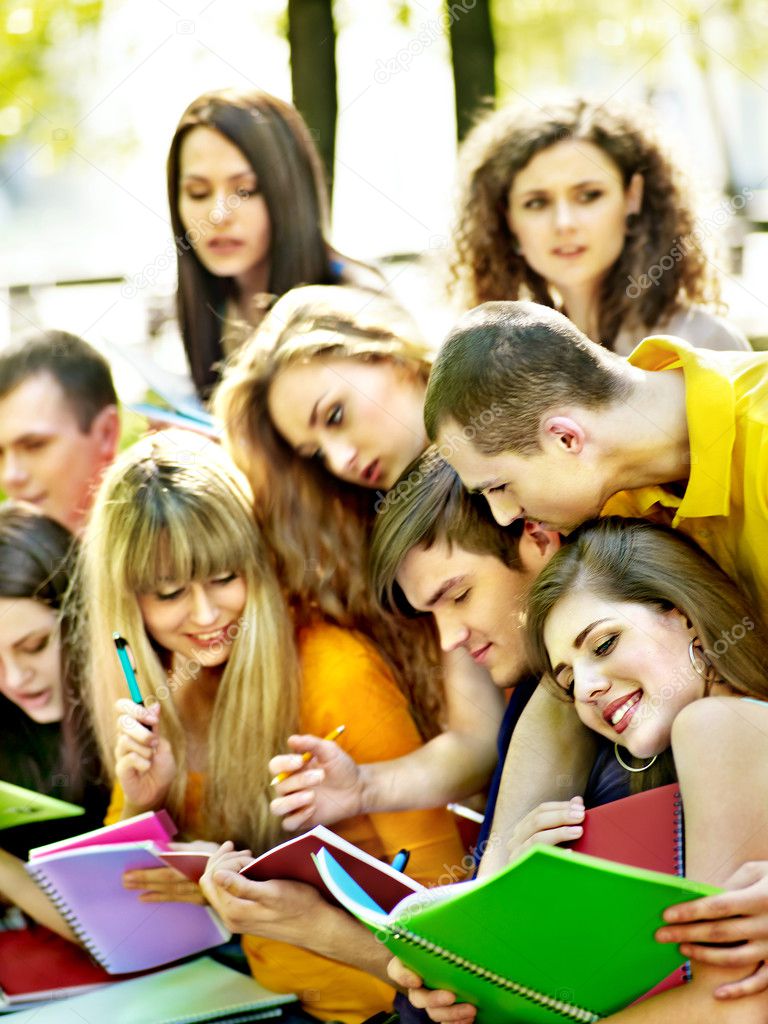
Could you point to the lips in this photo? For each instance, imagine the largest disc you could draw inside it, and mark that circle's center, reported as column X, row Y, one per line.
column 479, row 655
column 619, row 712
column 210, row 639
column 224, row 246
column 33, row 700
column 569, row 251
column 371, row 473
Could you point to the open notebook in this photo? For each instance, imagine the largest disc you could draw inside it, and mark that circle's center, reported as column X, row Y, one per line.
column 554, row 936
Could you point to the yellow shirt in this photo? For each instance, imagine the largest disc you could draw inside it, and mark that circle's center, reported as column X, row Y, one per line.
column 725, row 504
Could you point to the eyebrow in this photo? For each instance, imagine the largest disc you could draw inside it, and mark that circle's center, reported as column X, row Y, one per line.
column 578, row 184
column 232, row 177
column 443, row 589
column 313, row 413
column 577, row 643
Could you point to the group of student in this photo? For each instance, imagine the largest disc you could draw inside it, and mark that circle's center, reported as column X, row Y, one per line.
column 390, row 537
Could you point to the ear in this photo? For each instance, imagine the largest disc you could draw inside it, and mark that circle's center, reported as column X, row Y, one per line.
column 634, row 194
column 537, row 546
column 566, row 432
column 105, row 430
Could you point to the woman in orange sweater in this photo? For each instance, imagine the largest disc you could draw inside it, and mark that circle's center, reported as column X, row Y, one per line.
column 225, row 680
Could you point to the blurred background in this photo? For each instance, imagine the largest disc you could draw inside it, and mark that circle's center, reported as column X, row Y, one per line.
column 91, row 90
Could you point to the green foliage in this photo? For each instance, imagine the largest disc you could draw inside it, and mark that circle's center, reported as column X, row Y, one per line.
column 36, row 97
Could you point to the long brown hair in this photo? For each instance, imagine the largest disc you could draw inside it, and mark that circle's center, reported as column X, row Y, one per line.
column 485, row 263
column 276, row 142
column 641, row 562
column 317, row 526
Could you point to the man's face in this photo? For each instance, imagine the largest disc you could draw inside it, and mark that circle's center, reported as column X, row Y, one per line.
column 45, row 458
column 550, row 487
column 477, row 601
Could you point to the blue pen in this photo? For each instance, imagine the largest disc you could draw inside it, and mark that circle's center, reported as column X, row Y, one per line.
column 401, row 859
column 128, row 667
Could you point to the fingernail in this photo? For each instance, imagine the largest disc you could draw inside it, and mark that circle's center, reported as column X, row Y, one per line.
column 575, row 830
column 576, row 813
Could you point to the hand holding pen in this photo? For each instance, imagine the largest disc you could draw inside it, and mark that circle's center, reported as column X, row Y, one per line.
column 144, row 763
column 320, row 783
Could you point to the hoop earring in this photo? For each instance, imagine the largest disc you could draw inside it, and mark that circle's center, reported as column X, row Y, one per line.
column 697, row 659
column 628, row 767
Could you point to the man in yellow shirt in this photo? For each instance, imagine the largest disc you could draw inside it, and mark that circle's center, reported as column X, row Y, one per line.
column 551, row 427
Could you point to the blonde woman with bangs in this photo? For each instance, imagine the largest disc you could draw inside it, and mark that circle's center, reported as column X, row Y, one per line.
column 172, row 560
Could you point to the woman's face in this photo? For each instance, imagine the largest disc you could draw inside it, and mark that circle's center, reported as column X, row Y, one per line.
column 568, row 209
column 222, row 208
column 196, row 620
column 30, row 658
column 627, row 666
column 364, row 419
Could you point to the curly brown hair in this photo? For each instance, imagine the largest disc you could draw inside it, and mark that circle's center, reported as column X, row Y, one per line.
column 484, row 263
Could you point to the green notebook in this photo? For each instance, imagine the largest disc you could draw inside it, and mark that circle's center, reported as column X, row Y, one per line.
column 21, row 806
column 555, row 936
column 201, row 990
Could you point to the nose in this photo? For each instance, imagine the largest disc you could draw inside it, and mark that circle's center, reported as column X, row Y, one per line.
column 504, row 508
column 589, row 682
column 452, row 632
column 204, row 611
column 14, row 674
column 341, row 457
column 222, row 207
column 14, row 475
column 563, row 215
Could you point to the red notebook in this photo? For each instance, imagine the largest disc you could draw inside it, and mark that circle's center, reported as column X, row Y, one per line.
column 645, row 831
column 36, row 964
column 292, row 860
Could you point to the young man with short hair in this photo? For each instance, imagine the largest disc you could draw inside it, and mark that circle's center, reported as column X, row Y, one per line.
column 551, row 427
column 59, row 424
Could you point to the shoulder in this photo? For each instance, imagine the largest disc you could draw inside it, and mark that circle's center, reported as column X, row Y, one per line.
column 329, row 653
column 703, row 329
column 712, row 723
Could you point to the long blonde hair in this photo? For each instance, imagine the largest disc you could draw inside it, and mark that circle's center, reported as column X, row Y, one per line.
column 317, row 526
column 174, row 505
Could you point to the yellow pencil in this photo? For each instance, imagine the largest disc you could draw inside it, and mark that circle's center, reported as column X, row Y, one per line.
column 332, row 735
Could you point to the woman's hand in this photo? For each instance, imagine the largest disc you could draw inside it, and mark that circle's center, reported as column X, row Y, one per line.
column 441, row 1006
column 328, row 788
column 163, row 885
column 276, row 909
column 145, row 766
column 551, row 823
column 738, row 915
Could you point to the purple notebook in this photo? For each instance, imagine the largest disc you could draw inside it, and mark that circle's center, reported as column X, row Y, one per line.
column 122, row 933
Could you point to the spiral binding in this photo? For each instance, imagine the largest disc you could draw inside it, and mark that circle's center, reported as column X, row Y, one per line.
column 679, row 841
column 565, row 1010
column 55, row 897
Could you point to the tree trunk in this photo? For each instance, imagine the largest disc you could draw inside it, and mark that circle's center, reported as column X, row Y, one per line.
column 473, row 52
column 312, row 37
